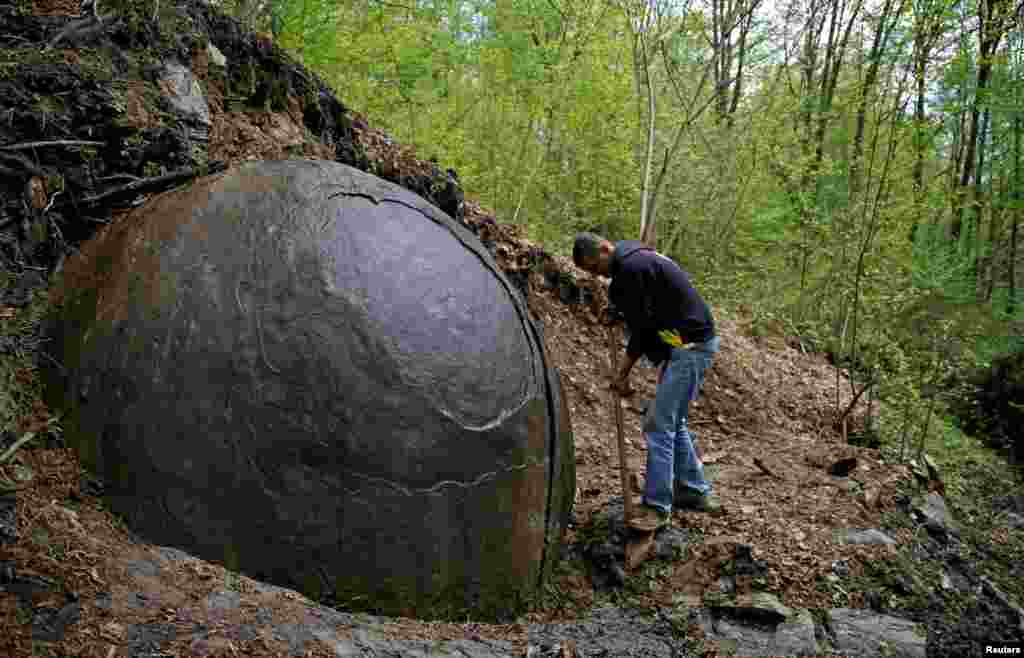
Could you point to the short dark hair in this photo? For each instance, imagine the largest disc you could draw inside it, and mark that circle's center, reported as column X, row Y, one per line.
column 587, row 246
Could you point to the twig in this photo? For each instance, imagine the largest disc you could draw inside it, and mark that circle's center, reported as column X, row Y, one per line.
column 15, row 36
column 58, row 142
column 119, row 176
column 153, row 184
column 52, row 199
column 761, row 465
column 23, row 162
column 17, row 444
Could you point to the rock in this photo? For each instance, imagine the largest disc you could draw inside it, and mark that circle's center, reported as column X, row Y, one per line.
column 308, row 373
column 862, row 633
column 792, row 636
column 610, row 631
column 843, row 467
column 990, row 588
column 185, row 95
column 50, row 624
column 795, row 637
column 868, row 536
column 934, row 513
column 769, row 602
column 670, row 543
column 8, row 519
column 223, row 600
column 759, row 606
column 745, row 563
column 1015, row 521
column 841, row 568
column 217, row 58
column 903, row 585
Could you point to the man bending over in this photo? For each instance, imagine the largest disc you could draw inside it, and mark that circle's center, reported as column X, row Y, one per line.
column 671, row 324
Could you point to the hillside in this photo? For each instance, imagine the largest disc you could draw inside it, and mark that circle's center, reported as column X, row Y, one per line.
column 96, row 115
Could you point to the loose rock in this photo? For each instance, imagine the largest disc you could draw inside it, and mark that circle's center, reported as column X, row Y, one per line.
column 861, row 633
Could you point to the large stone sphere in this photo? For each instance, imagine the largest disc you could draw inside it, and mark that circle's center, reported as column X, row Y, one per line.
column 317, row 378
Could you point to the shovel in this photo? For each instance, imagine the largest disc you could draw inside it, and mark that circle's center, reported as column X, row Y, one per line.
column 640, row 544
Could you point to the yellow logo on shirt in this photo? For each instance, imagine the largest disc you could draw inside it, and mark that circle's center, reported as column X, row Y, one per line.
column 671, row 337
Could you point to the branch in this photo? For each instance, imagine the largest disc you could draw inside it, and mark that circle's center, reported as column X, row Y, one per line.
column 59, row 142
column 853, row 402
column 21, row 161
column 150, row 185
column 398, row 5
column 767, row 471
column 645, row 191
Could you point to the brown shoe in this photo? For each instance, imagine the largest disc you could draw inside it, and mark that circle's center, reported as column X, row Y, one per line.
column 649, row 519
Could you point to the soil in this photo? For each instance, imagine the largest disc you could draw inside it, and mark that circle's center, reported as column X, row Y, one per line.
column 765, row 422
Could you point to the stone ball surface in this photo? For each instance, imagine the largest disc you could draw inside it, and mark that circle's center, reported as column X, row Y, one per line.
column 315, row 377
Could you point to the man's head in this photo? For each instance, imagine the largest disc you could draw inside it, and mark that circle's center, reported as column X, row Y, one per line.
column 593, row 253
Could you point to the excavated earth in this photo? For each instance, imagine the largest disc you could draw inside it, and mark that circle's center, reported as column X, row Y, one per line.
column 823, row 543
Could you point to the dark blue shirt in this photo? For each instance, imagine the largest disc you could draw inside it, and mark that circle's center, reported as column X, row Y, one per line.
column 654, row 294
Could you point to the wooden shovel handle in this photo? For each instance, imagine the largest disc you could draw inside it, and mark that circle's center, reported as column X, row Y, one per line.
column 627, row 498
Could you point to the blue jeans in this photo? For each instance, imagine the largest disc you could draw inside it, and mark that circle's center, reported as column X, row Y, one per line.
column 671, row 456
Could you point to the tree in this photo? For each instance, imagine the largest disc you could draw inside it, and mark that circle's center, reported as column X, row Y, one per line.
column 994, row 18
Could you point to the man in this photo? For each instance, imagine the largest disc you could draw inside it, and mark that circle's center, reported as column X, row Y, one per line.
column 668, row 322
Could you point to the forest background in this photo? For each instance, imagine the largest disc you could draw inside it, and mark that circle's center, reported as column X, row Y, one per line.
column 844, row 172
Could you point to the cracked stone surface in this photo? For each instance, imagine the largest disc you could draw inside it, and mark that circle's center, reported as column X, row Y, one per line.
column 310, row 374
column 862, row 633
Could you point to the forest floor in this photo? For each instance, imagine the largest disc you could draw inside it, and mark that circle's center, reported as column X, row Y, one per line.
column 764, row 423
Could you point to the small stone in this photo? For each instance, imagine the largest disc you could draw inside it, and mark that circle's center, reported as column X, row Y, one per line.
column 618, row 575
column 841, row 568
column 855, row 536
column 903, row 585
column 216, row 56
column 670, row 543
column 933, row 508
column 843, row 467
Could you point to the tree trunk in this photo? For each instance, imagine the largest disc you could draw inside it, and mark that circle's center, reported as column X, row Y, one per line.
column 1018, row 196
column 648, row 231
column 921, row 49
column 990, row 29
column 979, row 201
column 878, row 45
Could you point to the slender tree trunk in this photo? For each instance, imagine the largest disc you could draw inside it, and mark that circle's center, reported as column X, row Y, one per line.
column 980, row 200
column 648, row 231
column 741, row 58
column 920, row 62
column 1018, row 196
column 875, row 57
column 990, row 27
